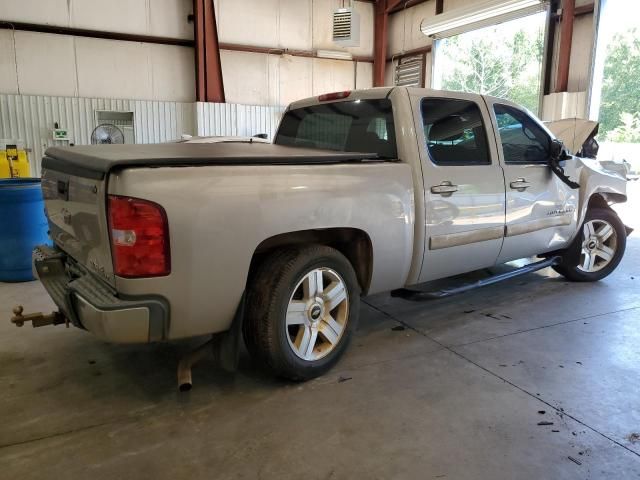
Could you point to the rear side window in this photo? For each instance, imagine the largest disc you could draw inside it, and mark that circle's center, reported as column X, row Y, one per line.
column 454, row 132
column 522, row 139
column 354, row 126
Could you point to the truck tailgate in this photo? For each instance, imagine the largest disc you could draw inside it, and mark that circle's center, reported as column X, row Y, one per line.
column 76, row 209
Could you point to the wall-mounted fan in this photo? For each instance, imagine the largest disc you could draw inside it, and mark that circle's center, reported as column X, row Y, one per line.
column 106, row 133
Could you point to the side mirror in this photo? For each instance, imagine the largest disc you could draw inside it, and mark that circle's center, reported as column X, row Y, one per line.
column 558, row 151
column 557, row 155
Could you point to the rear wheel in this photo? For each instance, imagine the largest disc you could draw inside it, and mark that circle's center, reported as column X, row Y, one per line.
column 302, row 307
column 598, row 249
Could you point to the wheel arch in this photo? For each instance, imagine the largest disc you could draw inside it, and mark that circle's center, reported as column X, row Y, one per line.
column 353, row 243
column 605, row 199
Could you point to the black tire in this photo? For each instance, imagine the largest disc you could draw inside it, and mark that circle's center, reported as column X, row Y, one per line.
column 268, row 294
column 570, row 266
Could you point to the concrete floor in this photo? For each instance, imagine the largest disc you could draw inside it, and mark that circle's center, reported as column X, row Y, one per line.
column 451, row 389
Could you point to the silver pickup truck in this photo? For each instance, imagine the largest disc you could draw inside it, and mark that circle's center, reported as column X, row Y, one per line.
column 361, row 192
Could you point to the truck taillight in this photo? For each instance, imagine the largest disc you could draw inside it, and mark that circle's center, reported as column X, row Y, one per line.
column 139, row 238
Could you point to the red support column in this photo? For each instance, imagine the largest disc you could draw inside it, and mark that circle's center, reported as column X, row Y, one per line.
column 209, row 86
column 380, row 43
column 564, row 53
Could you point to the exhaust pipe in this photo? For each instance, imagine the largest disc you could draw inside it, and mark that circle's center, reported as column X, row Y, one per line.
column 224, row 348
column 188, row 361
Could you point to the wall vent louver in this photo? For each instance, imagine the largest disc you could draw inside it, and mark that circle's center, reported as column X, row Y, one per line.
column 346, row 27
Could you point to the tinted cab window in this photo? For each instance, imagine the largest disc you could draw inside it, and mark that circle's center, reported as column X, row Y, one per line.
column 353, row 126
column 454, row 132
column 522, row 139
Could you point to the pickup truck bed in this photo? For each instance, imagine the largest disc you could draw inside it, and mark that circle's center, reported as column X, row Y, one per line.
column 94, row 161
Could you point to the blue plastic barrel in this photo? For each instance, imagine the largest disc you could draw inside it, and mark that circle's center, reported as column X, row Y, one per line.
column 23, row 225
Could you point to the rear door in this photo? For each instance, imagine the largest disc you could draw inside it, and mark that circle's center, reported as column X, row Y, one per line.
column 541, row 213
column 463, row 183
column 76, row 210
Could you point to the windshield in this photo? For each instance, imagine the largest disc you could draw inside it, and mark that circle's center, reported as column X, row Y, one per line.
column 357, row 126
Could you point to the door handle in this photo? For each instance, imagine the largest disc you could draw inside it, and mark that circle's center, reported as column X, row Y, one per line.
column 445, row 189
column 520, row 184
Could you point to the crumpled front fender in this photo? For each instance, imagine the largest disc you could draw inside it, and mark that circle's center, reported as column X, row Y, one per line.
column 595, row 180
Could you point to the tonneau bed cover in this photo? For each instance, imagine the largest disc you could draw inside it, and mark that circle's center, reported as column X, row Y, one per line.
column 94, row 161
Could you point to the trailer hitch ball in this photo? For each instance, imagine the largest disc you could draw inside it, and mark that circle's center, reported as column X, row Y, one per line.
column 17, row 318
column 37, row 319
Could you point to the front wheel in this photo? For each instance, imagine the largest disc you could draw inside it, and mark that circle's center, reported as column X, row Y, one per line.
column 302, row 307
column 598, row 249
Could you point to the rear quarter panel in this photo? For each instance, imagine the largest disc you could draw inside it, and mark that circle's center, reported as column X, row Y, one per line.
column 219, row 215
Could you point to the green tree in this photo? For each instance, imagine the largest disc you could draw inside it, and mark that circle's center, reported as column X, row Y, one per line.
column 478, row 69
column 629, row 131
column 621, row 81
column 492, row 66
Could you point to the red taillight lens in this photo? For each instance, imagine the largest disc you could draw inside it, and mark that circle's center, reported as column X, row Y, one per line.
column 139, row 238
column 334, row 96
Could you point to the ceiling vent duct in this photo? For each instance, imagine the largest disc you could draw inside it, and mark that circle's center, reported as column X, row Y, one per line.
column 346, row 27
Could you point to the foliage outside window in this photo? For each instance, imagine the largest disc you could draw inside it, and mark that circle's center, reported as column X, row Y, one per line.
column 503, row 61
column 620, row 104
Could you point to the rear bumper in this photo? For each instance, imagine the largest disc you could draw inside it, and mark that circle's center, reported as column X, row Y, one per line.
column 91, row 304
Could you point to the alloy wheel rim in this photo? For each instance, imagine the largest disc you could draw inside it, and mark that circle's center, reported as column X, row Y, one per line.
column 317, row 314
column 599, row 244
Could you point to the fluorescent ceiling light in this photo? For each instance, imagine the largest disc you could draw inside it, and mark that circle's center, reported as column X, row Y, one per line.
column 463, row 19
column 335, row 54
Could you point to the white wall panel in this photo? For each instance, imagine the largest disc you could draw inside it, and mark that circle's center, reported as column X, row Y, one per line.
column 295, row 24
column 173, row 74
column 127, row 16
column 31, row 119
column 364, row 78
column 8, row 79
column 249, row 22
column 260, row 79
column 295, row 77
column 389, row 72
column 62, row 65
column 221, row 119
column 164, row 18
column 115, row 69
column 245, row 77
column 332, row 76
column 404, row 28
column 449, row 5
column 168, row 18
column 49, row 12
column 45, row 59
column 581, row 52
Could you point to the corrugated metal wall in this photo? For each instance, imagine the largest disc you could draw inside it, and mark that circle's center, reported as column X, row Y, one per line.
column 237, row 120
column 31, row 118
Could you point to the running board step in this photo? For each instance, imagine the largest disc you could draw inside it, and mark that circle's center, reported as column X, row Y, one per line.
column 419, row 296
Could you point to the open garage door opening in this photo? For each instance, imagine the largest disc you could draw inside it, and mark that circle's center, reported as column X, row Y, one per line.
column 503, row 60
column 616, row 82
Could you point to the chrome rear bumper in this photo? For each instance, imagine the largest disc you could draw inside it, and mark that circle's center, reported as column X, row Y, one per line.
column 91, row 304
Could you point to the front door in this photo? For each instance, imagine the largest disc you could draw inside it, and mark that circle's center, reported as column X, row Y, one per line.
column 541, row 210
column 464, row 186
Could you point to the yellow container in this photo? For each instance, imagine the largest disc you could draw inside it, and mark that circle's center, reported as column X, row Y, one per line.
column 14, row 162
